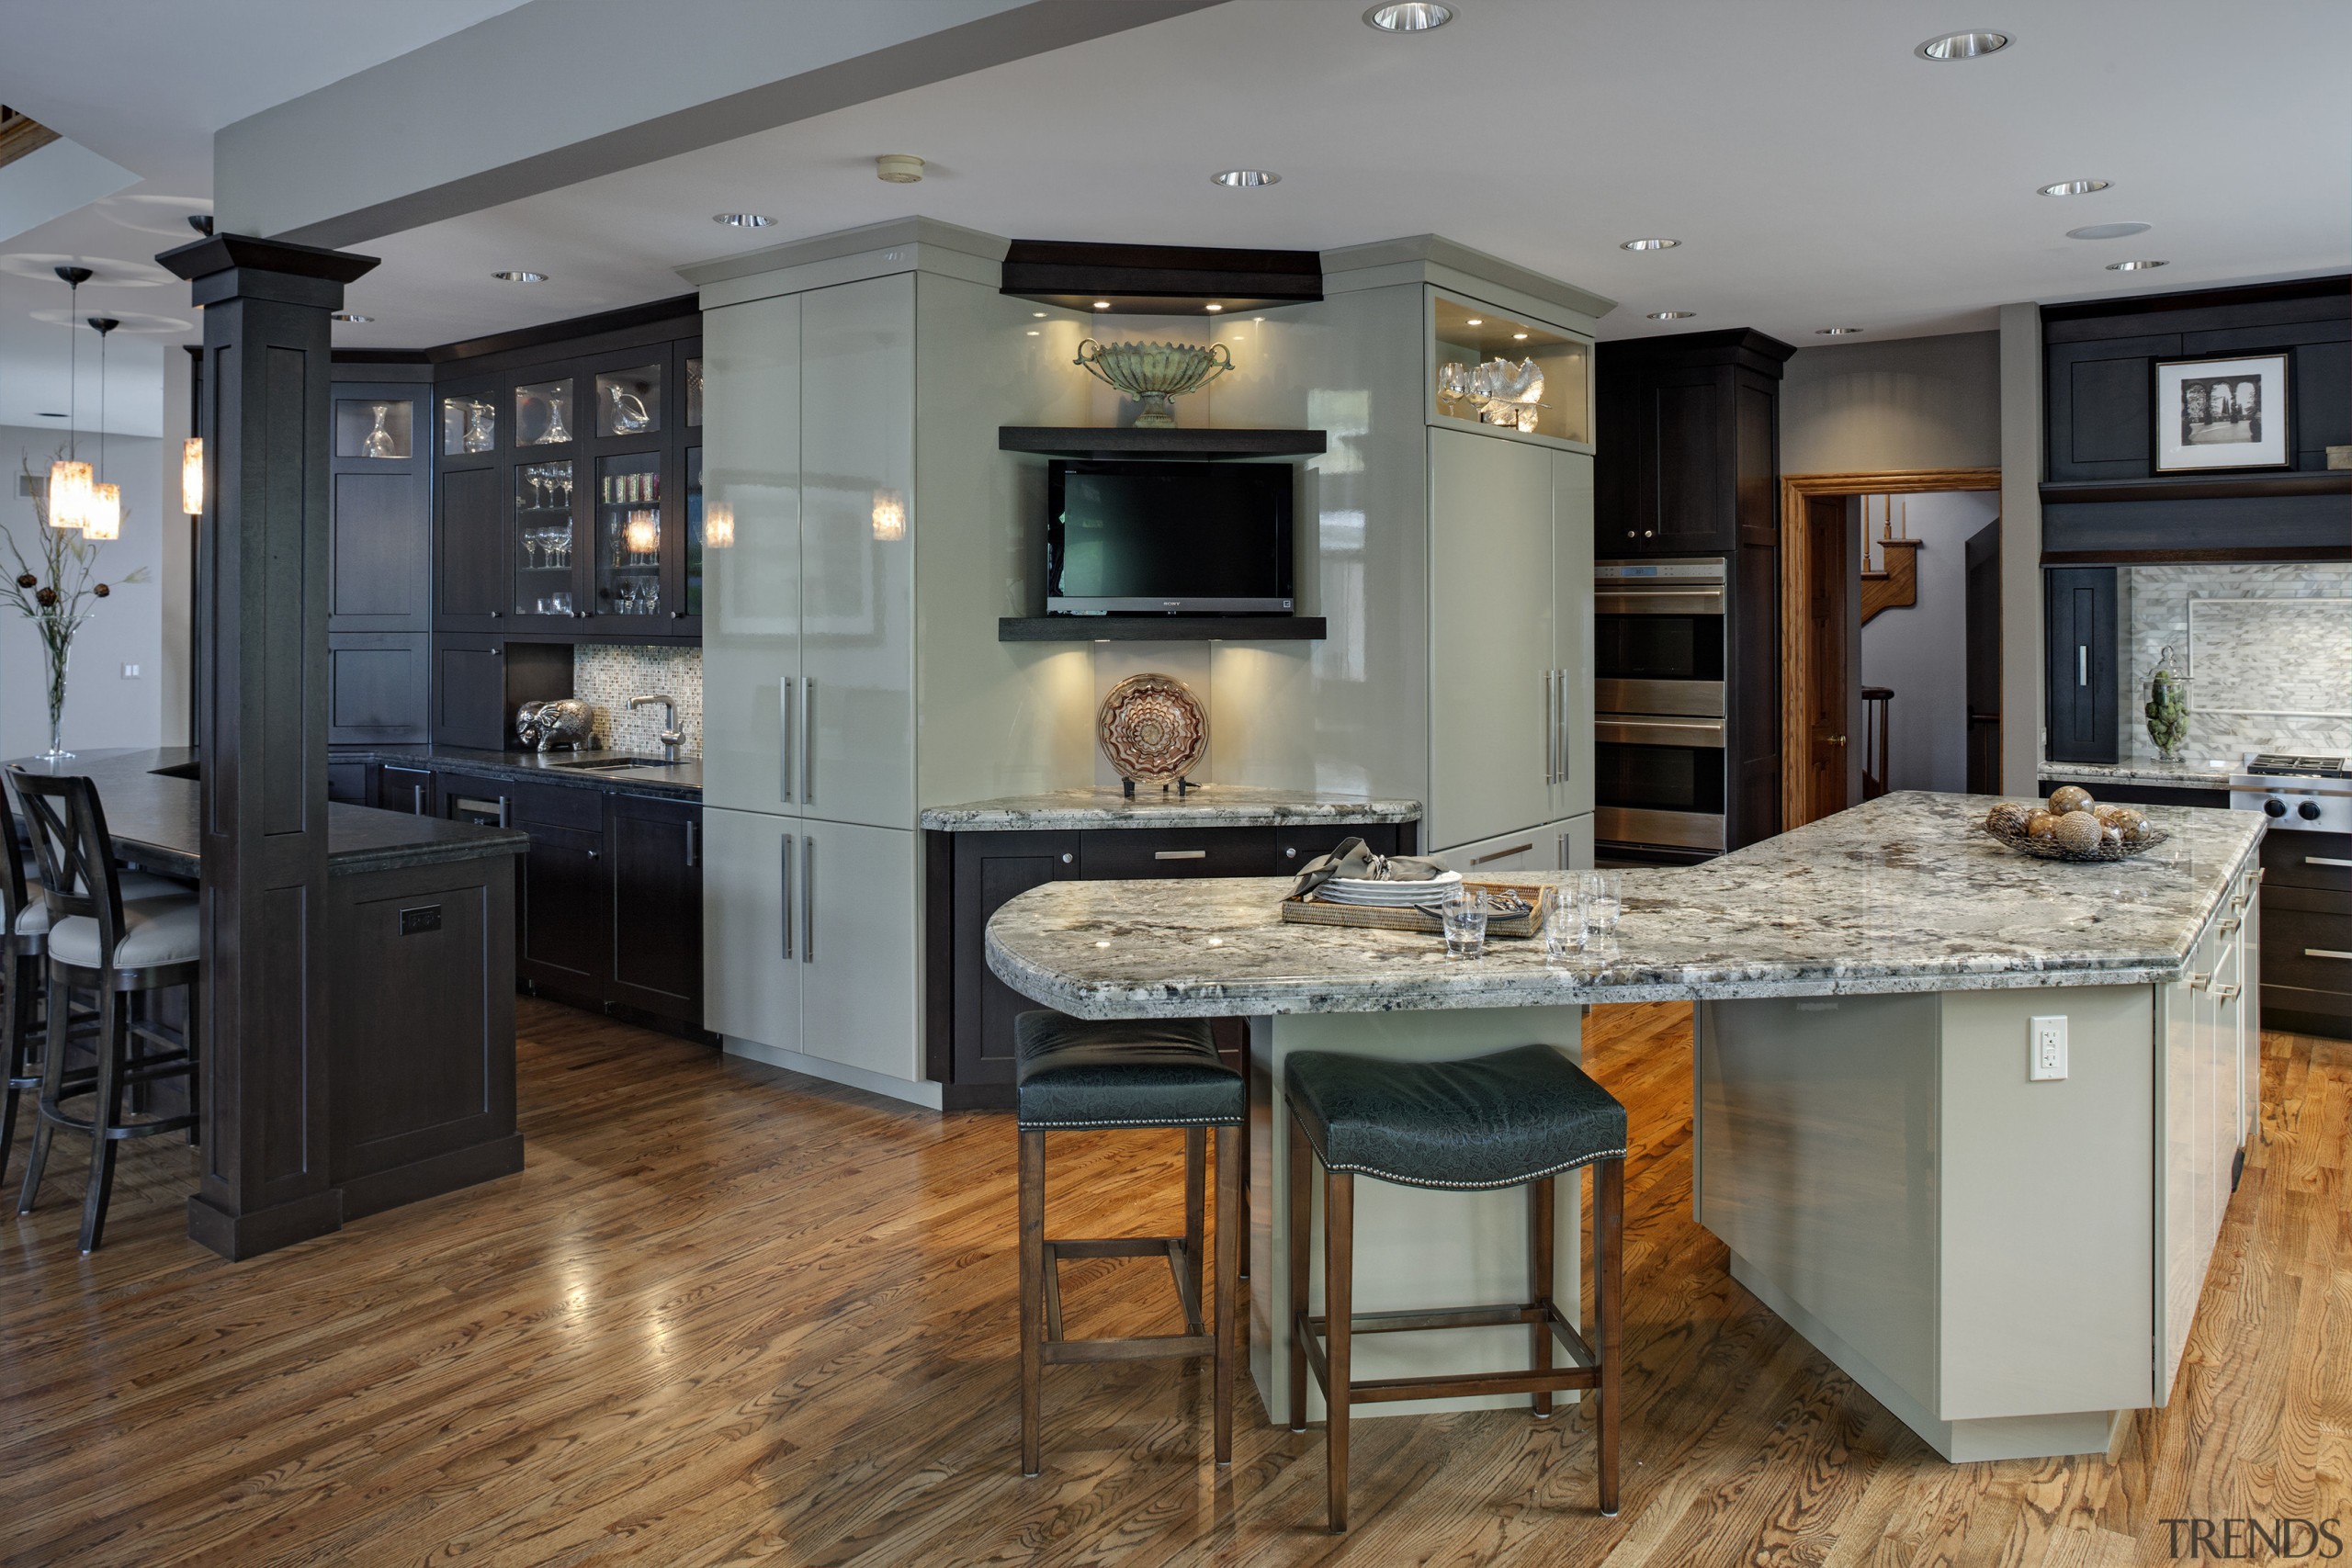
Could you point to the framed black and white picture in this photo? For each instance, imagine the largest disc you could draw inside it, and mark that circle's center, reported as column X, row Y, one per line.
column 2221, row 414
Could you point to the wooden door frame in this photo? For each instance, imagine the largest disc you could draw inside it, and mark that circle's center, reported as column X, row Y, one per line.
column 1796, row 655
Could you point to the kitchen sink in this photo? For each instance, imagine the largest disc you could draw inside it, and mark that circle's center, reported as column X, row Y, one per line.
column 608, row 765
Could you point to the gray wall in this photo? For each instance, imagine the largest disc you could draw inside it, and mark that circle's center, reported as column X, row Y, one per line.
column 1921, row 403
column 102, row 707
column 1917, row 651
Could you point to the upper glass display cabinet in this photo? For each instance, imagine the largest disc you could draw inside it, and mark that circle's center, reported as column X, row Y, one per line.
column 543, row 413
column 628, row 402
column 382, row 429
column 468, row 427
column 1493, row 369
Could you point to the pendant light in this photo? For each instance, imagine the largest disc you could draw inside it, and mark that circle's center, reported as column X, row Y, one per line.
column 192, row 476
column 69, row 479
column 103, row 518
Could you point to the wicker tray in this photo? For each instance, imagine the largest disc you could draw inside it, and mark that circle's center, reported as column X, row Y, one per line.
column 1540, row 895
column 2023, row 844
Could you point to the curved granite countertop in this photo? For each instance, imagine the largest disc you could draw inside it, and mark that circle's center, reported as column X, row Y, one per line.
column 1208, row 806
column 1901, row 894
column 152, row 817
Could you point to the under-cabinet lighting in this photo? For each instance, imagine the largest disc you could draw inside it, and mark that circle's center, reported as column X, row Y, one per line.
column 1519, row 337
column 1102, row 304
column 1476, row 322
column 1039, row 314
column 1212, row 308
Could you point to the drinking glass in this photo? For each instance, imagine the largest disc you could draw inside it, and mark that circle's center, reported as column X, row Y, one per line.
column 1604, row 892
column 627, row 591
column 1464, row 915
column 563, row 536
column 1564, row 928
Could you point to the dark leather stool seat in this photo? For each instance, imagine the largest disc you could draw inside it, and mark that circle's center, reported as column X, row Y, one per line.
column 1498, row 1120
column 1071, row 1073
column 1142, row 1072
column 1518, row 1118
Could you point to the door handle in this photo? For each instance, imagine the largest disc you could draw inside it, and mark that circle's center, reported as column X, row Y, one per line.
column 690, row 843
column 2230, row 925
column 502, row 812
column 784, row 738
column 1180, row 854
column 2225, row 992
column 2323, row 860
column 2199, row 982
column 1837, row 741
column 783, row 893
column 1551, row 727
column 1499, row 854
column 2082, row 664
column 2326, row 953
column 809, row 740
column 1560, row 724
column 807, row 900
column 418, row 809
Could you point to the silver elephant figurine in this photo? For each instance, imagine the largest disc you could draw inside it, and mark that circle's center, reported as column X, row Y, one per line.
column 564, row 722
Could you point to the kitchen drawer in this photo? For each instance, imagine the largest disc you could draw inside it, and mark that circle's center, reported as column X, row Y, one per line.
column 2307, row 860
column 1117, row 854
column 1294, row 846
column 2302, row 928
column 551, row 806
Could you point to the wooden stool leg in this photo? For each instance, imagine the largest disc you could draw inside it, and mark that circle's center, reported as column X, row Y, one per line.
column 56, row 1016
column 1032, row 1294
column 1229, row 1276
column 1609, row 1246
column 106, row 1114
column 1540, row 1199
column 1338, row 1290
column 1196, row 1181
column 17, row 1027
column 1302, row 1257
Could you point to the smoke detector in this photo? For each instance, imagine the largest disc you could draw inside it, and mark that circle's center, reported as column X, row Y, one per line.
column 899, row 168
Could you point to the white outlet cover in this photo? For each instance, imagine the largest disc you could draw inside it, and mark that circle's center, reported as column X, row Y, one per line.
column 130, row 671
column 2045, row 1049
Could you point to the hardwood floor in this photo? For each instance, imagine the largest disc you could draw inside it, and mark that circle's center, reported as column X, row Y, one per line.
column 728, row 1315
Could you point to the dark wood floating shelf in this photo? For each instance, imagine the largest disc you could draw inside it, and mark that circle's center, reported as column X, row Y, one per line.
column 1083, row 441
column 1159, row 628
column 2223, row 487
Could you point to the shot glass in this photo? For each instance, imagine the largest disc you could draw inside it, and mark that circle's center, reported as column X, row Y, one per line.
column 1464, row 915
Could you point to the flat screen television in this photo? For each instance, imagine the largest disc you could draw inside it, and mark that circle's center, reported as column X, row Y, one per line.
column 1142, row 539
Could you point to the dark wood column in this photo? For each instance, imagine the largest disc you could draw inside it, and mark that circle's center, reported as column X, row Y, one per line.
column 262, row 731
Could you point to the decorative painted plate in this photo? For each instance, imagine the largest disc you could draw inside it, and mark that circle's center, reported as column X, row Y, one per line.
column 1152, row 729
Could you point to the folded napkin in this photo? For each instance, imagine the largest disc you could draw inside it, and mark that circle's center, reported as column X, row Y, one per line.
column 1352, row 860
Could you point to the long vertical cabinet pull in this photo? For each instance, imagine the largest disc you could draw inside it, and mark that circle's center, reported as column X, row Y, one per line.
column 2082, row 664
column 784, row 738
column 690, row 845
column 1560, row 722
column 807, row 900
column 1551, row 727
column 783, row 893
column 809, row 741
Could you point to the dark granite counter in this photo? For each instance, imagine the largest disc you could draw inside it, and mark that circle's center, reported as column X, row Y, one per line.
column 681, row 780
column 152, row 816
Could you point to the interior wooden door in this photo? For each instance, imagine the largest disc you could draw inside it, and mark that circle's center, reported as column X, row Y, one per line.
column 1834, row 635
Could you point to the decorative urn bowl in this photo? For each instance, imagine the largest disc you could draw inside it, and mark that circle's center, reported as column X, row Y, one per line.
column 1151, row 373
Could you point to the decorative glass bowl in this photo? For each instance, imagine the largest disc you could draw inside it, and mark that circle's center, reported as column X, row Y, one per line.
column 1151, row 373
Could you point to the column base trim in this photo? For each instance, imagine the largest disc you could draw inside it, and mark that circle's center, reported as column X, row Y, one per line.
column 238, row 1236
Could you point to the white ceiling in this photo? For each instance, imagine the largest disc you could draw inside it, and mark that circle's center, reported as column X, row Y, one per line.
column 1816, row 171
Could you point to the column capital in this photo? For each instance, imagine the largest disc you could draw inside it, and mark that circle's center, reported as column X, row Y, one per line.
column 225, row 266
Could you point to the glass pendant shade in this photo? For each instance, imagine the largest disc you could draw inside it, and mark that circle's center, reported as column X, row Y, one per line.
column 719, row 526
column 69, row 493
column 103, row 518
column 192, row 476
column 643, row 533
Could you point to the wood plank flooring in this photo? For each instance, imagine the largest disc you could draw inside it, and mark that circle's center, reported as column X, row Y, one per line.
column 728, row 1316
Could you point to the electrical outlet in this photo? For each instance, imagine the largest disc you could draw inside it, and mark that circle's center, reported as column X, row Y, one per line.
column 2045, row 1049
column 130, row 671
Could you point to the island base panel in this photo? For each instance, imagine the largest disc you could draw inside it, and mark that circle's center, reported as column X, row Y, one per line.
column 1414, row 1247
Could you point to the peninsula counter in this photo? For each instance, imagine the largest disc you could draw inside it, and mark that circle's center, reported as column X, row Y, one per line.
column 2009, row 1264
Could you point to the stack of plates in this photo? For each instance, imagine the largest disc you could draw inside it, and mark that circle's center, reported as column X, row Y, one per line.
column 1388, row 894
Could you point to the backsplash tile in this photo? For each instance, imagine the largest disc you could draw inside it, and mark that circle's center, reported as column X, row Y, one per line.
column 606, row 676
column 2267, row 651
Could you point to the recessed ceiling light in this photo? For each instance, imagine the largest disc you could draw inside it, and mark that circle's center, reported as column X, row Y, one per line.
column 2107, row 230
column 1519, row 337
column 2136, row 266
column 1672, row 315
column 2073, row 187
column 1837, row 331
column 1408, row 16
column 1213, row 306
column 1649, row 244
column 518, row 275
column 1039, row 314
column 1246, row 179
column 1476, row 322
column 1963, row 45
column 742, row 220
column 1102, row 304
column 351, row 316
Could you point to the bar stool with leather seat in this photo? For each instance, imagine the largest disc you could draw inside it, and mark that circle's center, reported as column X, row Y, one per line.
column 1070, row 1073
column 1518, row 1118
column 119, row 948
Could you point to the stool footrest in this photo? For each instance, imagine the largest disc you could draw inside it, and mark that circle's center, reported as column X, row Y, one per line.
column 1144, row 1348
column 1586, row 1374
column 1112, row 1246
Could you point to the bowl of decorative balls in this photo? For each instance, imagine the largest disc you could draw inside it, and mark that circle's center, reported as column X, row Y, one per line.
column 2072, row 826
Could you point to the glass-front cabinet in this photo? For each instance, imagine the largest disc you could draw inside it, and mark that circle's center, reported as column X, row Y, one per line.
column 1509, row 373
column 629, row 538
column 692, row 603
column 544, row 532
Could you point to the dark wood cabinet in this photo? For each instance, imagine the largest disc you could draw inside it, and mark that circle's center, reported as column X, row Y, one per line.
column 479, row 682
column 380, row 581
column 2307, row 932
column 379, row 688
column 2078, row 643
column 974, row 874
column 566, row 912
column 653, row 851
column 347, row 783
column 405, row 789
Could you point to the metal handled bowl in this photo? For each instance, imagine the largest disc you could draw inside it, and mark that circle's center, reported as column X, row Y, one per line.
column 1151, row 373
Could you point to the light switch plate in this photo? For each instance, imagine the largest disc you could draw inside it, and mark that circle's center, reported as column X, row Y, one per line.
column 2045, row 1057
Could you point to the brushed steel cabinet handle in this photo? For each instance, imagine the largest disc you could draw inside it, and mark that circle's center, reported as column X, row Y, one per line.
column 807, row 900
column 809, row 740
column 1499, row 854
column 2326, row 953
column 2225, row 992
column 1180, row 854
column 2231, row 924
column 783, row 893
column 784, row 738
column 419, row 809
column 690, row 843
column 2082, row 664
column 2326, row 860
column 1560, row 723
column 502, row 812
column 1551, row 727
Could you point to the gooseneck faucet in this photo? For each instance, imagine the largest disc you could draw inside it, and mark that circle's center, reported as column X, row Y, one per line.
column 672, row 735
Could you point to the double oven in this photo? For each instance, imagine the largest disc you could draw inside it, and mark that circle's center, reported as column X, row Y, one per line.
column 1659, row 727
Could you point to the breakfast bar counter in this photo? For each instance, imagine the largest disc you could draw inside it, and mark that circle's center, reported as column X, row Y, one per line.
column 1967, row 1119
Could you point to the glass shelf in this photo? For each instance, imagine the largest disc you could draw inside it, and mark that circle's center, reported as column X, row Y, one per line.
column 543, row 413
column 379, row 430
column 543, row 535
column 1468, row 334
column 629, row 536
column 468, row 427
column 628, row 402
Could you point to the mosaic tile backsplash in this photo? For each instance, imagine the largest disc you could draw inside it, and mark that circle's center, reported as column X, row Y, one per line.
column 607, row 677
column 2267, row 650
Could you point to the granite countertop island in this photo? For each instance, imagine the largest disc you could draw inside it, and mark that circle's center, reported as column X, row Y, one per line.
column 1206, row 805
column 1899, row 894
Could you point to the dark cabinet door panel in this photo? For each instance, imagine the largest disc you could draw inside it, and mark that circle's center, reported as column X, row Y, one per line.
column 469, row 586
column 378, row 546
column 1694, row 491
column 404, row 789
column 2079, row 610
column 347, row 783
column 1114, row 855
column 990, row 870
column 655, row 851
column 566, row 908
column 470, row 692
column 379, row 688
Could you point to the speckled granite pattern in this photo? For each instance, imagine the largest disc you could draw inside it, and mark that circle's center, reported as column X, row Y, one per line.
column 1898, row 895
column 1210, row 805
column 2188, row 773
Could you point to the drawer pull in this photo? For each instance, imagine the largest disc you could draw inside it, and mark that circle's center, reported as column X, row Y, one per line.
column 2199, row 982
column 2326, row 953
column 1067, row 859
column 2225, row 992
column 2327, row 859
column 1499, row 854
column 2231, row 924
column 1180, row 854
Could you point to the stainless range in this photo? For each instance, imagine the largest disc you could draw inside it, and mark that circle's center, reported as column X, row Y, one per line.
column 2306, row 931
column 2309, row 794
